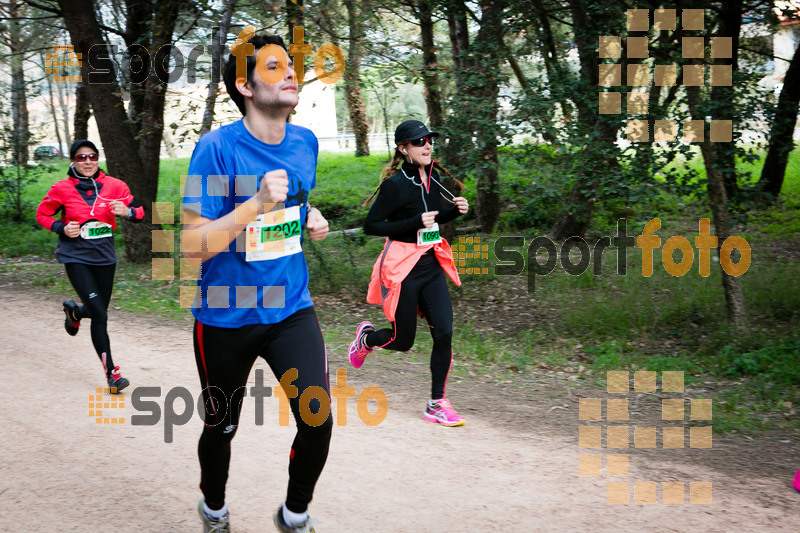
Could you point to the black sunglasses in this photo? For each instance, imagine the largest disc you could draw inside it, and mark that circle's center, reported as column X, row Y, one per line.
column 421, row 142
column 84, row 157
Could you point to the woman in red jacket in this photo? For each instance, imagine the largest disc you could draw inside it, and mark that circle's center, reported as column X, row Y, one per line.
column 409, row 276
column 88, row 202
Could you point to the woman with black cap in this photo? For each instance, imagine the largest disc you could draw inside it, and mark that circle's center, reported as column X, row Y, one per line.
column 409, row 276
column 89, row 200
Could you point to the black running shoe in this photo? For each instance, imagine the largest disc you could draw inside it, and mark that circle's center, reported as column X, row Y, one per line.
column 70, row 323
column 115, row 381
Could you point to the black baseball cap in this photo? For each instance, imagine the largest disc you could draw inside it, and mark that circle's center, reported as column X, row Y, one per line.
column 410, row 130
column 81, row 142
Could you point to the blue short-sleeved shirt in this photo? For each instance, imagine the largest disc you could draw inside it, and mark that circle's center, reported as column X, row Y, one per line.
column 226, row 169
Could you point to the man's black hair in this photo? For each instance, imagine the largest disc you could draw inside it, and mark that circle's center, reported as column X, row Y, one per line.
column 229, row 70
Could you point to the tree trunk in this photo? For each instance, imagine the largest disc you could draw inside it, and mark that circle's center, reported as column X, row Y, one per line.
column 64, row 105
column 730, row 23
column 134, row 162
column 213, row 85
column 574, row 223
column 488, row 45
column 53, row 112
column 83, row 110
column 555, row 72
column 138, row 237
column 352, row 79
column 19, row 101
column 781, row 134
column 459, row 139
column 600, row 149
column 459, row 39
column 581, row 201
column 732, row 286
column 545, row 128
column 720, row 162
column 586, row 34
column 430, row 74
column 294, row 17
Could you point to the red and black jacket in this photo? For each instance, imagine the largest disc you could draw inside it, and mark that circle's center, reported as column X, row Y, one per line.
column 85, row 199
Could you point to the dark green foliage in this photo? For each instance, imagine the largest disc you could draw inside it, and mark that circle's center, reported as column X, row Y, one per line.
column 777, row 362
column 531, row 186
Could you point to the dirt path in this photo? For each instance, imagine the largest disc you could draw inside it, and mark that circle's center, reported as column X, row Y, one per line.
column 60, row 471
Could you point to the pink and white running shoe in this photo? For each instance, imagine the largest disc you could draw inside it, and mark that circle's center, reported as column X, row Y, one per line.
column 443, row 413
column 358, row 349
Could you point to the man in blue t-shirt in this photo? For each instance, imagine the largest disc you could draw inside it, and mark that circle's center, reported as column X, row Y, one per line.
column 245, row 206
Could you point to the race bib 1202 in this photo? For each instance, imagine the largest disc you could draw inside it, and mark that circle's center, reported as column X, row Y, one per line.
column 274, row 234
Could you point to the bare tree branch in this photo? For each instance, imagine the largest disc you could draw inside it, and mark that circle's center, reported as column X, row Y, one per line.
column 43, row 7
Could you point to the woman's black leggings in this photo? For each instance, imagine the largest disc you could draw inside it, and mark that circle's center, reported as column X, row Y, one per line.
column 94, row 285
column 425, row 288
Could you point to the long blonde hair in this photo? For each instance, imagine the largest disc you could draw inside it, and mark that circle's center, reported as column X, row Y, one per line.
column 394, row 166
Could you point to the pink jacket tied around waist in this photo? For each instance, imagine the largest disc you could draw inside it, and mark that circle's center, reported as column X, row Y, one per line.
column 394, row 264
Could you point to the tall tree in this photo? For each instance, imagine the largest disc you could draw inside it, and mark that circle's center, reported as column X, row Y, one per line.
column 718, row 157
column 295, row 14
column 132, row 144
column 352, row 75
column 590, row 21
column 718, row 196
column 484, row 91
column 18, row 41
column 458, row 138
column 472, row 128
column 781, row 133
column 53, row 112
column 730, row 23
column 556, row 75
column 83, row 108
column 216, row 53
column 430, row 70
column 63, row 103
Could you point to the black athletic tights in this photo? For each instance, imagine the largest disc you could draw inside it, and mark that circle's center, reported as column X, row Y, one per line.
column 425, row 288
column 224, row 359
column 94, row 285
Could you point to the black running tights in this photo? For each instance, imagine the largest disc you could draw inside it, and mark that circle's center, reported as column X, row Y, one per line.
column 94, row 285
column 224, row 359
column 425, row 288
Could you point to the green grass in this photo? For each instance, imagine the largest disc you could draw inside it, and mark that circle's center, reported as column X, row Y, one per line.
column 767, row 385
column 343, row 183
column 169, row 179
column 790, row 191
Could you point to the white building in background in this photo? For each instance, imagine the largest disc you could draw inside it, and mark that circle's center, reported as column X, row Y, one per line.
column 317, row 108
